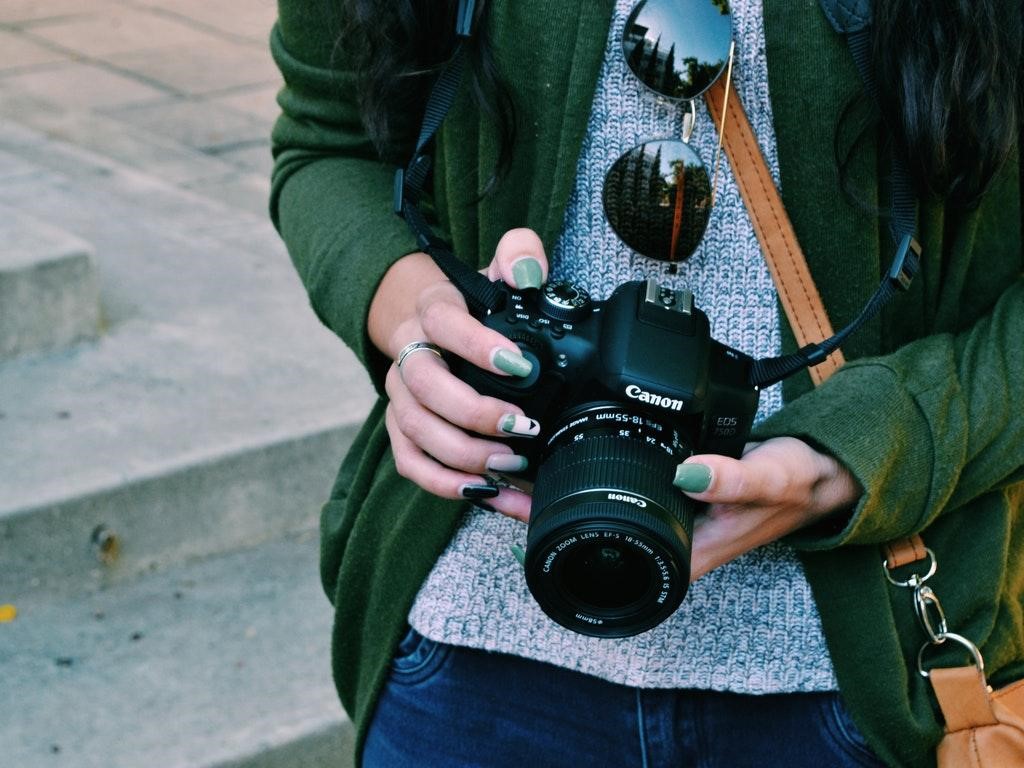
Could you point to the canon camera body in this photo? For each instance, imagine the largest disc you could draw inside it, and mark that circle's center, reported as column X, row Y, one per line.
column 624, row 390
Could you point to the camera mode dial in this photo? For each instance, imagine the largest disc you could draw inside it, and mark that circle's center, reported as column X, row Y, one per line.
column 565, row 301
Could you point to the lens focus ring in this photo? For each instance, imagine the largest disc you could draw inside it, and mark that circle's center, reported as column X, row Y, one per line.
column 628, row 466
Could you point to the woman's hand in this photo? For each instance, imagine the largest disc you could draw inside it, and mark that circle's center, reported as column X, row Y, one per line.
column 778, row 486
column 430, row 410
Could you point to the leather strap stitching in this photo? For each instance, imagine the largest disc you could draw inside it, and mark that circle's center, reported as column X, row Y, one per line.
column 774, row 231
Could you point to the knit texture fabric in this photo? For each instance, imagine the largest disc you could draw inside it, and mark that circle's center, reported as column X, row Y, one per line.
column 750, row 626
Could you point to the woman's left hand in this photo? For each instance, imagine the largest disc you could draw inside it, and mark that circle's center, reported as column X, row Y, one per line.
column 778, row 486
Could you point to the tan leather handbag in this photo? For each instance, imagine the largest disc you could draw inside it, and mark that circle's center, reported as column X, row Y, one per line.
column 984, row 728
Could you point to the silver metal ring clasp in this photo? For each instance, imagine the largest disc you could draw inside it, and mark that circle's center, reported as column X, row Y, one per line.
column 915, row 580
column 970, row 647
column 926, row 604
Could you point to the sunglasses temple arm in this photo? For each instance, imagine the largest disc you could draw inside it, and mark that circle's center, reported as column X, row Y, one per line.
column 721, row 127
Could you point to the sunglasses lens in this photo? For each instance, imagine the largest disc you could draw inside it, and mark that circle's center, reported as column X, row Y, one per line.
column 676, row 48
column 657, row 197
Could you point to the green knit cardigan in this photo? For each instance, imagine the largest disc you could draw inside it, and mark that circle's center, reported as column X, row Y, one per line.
column 928, row 414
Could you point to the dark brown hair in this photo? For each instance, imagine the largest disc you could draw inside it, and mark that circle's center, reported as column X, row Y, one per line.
column 950, row 89
column 405, row 42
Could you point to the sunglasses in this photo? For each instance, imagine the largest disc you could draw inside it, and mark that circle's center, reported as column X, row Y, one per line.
column 658, row 196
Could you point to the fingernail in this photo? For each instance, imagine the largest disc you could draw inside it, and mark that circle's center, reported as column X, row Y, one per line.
column 507, row 462
column 511, row 362
column 470, row 491
column 519, row 552
column 527, row 273
column 692, row 478
column 514, row 424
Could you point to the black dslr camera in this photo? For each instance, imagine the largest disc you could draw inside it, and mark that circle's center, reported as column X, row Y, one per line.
column 624, row 389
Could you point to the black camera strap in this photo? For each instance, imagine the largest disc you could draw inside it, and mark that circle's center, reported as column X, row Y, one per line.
column 852, row 18
column 410, row 182
column 771, row 370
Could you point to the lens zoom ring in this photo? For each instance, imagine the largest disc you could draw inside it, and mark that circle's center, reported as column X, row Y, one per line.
column 614, row 462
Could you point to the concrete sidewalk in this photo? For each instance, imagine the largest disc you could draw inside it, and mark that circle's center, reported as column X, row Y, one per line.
column 182, row 89
column 162, row 462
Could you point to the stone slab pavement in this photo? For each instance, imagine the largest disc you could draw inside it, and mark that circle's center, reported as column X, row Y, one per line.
column 182, row 89
column 209, row 370
column 208, row 349
column 142, row 128
column 223, row 663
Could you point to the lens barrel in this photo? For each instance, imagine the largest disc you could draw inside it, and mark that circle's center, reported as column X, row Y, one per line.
column 608, row 549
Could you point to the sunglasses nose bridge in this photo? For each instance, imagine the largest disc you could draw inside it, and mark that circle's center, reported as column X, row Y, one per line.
column 689, row 121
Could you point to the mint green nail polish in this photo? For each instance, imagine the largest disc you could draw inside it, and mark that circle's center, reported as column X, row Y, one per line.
column 527, row 273
column 512, row 363
column 692, row 478
column 507, row 462
column 519, row 553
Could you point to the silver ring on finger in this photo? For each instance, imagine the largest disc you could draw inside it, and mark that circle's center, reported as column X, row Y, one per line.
column 416, row 346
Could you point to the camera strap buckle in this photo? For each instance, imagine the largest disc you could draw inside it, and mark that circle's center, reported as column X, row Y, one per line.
column 906, row 263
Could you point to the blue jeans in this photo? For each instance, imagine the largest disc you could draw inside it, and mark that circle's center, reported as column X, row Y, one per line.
column 450, row 707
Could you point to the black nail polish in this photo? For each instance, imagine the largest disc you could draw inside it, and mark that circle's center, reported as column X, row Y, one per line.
column 478, row 491
column 485, row 505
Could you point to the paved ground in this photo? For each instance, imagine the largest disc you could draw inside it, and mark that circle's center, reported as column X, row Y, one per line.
column 193, row 72
column 143, row 129
column 181, row 669
column 196, row 431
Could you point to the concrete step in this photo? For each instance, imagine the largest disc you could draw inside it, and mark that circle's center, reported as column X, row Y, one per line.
column 211, row 413
column 48, row 287
column 209, row 664
column 204, row 506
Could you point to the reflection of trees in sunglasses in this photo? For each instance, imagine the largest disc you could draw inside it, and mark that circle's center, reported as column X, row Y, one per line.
column 658, row 196
column 658, row 69
column 678, row 47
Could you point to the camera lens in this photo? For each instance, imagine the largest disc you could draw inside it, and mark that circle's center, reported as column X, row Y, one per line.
column 608, row 550
column 606, row 576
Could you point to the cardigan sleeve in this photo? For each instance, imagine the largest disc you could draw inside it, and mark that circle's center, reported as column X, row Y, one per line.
column 925, row 429
column 331, row 195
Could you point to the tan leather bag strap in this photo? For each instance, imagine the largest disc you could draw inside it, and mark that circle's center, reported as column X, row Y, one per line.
column 982, row 728
column 963, row 696
column 900, row 552
column 797, row 292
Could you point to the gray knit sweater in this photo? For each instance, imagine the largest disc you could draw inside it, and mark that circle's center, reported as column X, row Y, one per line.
column 750, row 626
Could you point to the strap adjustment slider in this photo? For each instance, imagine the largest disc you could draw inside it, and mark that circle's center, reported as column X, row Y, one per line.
column 398, row 199
column 906, row 263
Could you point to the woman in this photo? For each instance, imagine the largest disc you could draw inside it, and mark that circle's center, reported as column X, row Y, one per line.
column 922, row 431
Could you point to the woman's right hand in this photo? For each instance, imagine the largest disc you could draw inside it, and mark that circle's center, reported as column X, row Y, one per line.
column 431, row 412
